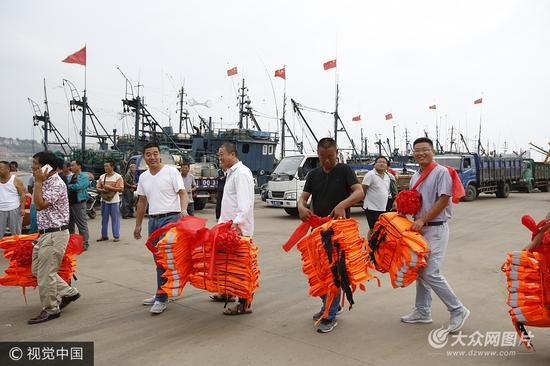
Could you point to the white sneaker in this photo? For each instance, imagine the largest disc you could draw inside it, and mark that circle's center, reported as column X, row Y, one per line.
column 457, row 320
column 149, row 301
column 416, row 317
column 158, row 307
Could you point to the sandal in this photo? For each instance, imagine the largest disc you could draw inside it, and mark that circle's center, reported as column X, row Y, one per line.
column 222, row 298
column 239, row 309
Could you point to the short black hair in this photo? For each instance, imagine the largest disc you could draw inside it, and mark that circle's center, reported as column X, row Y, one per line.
column 423, row 139
column 230, row 147
column 151, row 145
column 46, row 157
column 382, row 157
column 14, row 163
column 326, row 143
column 78, row 162
column 60, row 163
column 185, row 163
column 110, row 162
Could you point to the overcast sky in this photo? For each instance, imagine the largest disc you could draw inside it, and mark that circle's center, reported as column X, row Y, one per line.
column 395, row 57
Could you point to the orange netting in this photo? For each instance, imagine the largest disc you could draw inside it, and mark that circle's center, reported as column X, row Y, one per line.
column 397, row 249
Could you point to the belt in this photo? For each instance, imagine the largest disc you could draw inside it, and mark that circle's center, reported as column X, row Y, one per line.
column 53, row 229
column 164, row 215
column 435, row 223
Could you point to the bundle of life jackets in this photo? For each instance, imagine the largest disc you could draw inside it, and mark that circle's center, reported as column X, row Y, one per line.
column 334, row 257
column 396, row 249
column 528, row 284
column 18, row 250
column 217, row 260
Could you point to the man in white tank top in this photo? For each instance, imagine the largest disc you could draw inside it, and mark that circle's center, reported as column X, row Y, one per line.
column 12, row 201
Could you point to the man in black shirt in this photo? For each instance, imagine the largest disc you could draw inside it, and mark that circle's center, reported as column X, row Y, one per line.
column 333, row 188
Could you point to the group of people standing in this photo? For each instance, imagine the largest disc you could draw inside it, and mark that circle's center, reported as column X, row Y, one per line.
column 165, row 193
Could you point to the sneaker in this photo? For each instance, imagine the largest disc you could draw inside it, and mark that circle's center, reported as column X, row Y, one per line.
column 116, row 240
column 416, row 317
column 457, row 320
column 158, row 307
column 326, row 325
column 318, row 315
column 149, row 301
column 66, row 300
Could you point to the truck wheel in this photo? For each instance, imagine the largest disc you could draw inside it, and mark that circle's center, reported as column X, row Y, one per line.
column 292, row 211
column 545, row 188
column 503, row 191
column 471, row 193
column 199, row 204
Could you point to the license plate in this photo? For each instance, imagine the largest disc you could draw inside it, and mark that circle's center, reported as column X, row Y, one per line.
column 208, row 183
column 277, row 203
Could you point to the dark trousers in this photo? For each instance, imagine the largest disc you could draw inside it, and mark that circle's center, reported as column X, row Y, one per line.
column 127, row 203
column 372, row 217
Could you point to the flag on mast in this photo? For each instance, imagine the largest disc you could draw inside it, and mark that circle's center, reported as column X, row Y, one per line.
column 232, row 71
column 478, row 101
column 329, row 64
column 389, row 116
column 79, row 57
column 356, row 118
column 281, row 73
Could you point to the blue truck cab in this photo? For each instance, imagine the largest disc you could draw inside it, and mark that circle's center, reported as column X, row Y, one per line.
column 484, row 174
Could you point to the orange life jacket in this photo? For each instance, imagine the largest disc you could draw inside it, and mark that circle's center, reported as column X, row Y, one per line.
column 216, row 260
column 18, row 249
column 528, row 284
column 397, row 249
column 334, row 259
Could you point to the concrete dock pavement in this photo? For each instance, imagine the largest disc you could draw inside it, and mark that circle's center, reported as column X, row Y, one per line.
column 114, row 278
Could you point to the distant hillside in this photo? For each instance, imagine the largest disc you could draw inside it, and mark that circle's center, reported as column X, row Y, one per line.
column 15, row 145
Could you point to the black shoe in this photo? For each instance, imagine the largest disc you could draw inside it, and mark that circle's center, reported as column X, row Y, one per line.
column 66, row 300
column 44, row 316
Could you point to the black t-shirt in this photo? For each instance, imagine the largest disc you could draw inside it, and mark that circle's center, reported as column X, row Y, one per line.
column 328, row 190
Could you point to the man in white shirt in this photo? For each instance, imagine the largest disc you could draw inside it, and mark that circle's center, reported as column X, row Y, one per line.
column 237, row 203
column 376, row 185
column 162, row 187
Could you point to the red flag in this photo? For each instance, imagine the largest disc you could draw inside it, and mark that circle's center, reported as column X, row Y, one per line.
column 79, row 57
column 280, row 73
column 388, row 117
column 478, row 101
column 356, row 118
column 232, row 71
column 329, row 65
column 432, row 107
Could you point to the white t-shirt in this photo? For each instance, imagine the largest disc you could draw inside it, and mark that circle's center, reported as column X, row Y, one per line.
column 113, row 181
column 376, row 197
column 161, row 190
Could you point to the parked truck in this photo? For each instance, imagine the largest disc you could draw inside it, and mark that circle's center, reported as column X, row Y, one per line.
column 484, row 174
column 534, row 175
column 287, row 181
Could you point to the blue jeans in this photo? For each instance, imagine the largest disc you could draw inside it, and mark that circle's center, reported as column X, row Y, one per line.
column 333, row 307
column 34, row 223
column 112, row 210
column 191, row 208
column 152, row 225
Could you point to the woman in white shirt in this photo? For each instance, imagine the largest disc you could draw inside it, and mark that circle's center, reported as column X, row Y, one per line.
column 109, row 185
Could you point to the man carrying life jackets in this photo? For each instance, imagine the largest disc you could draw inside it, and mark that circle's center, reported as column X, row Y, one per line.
column 333, row 188
column 431, row 220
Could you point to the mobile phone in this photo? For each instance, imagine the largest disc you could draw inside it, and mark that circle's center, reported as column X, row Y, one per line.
column 47, row 168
